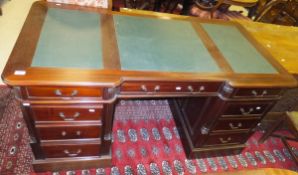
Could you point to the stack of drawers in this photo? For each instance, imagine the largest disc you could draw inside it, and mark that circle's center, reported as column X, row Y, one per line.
column 222, row 123
column 65, row 124
column 236, row 122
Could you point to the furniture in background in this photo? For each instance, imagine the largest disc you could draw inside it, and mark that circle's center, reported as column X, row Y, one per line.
column 107, row 4
column 283, row 12
column 290, row 120
column 1, row 1
column 68, row 96
column 166, row 6
column 212, row 5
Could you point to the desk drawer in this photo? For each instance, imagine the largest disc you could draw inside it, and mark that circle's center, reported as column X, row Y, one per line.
column 71, row 150
column 226, row 139
column 63, row 92
column 258, row 92
column 78, row 131
column 235, row 124
column 67, row 112
column 170, row 86
column 246, row 109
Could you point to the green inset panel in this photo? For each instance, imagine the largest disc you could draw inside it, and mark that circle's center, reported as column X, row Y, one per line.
column 239, row 52
column 69, row 39
column 161, row 45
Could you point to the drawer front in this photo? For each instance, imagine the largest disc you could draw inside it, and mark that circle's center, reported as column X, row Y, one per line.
column 226, row 139
column 67, row 113
column 231, row 124
column 258, row 92
column 246, row 109
column 71, row 150
column 63, row 92
column 49, row 132
column 142, row 87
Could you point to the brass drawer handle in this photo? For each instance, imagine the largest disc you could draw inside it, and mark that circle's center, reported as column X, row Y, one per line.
column 64, row 133
column 243, row 112
column 62, row 115
column 156, row 88
column 59, row 93
column 190, row 88
column 239, row 125
column 204, row 130
column 178, row 88
column 72, row 154
column 144, row 88
column 255, row 93
column 222, row 140
column 202, row 88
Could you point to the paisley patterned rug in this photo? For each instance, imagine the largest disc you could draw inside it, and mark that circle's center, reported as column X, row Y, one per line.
column 145, row 141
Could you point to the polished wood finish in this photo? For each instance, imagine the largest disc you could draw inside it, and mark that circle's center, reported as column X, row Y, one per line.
column 154, row 86
column 259, row 171
column 69, row 111
column 111, row 59
column 245, row 109
column 232, row 124
column 210, row 45
column 59, row 164
column 225, row 139
column 280, row 41
column 56, row 113
column 70, row 150
column 62, row 92
column 260, row 92
column 68, row 131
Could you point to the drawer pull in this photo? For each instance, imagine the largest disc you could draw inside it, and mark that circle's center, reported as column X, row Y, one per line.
column 72, row 154
column 225, row 141
column 144, row 88
column 255, row 93
column 178, row 88
column 202, row 88
column 62, row 115
column 204, row 130
column 64, row 133
column 239, row 125
column 156, row 88
column 243, row 112
column 59, row 93
column 190, row 88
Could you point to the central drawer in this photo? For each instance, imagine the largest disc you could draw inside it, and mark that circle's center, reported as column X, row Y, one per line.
column 43, row 113
column 152, row 86
column 68, row 131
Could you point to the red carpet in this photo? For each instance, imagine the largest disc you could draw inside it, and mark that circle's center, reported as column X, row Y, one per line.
column 146, row 141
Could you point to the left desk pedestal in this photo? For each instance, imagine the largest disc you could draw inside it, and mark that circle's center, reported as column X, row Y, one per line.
column 69, row 127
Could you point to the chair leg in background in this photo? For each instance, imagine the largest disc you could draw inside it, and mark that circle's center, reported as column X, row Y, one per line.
column 271, row 130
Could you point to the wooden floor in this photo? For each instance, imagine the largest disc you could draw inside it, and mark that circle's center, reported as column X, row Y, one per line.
column 262, row 171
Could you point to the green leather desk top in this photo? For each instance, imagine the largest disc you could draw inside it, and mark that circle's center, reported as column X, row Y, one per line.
column 72, row 39
column 161, row 45
column 69, row 39
column 240, row 54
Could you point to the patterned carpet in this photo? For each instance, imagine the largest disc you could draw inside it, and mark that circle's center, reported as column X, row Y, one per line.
column 145, row 141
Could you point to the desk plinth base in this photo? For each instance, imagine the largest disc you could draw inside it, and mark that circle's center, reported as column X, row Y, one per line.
column 75, row 163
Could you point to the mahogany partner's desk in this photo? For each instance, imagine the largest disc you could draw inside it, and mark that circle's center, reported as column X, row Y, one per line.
column 71, row 65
